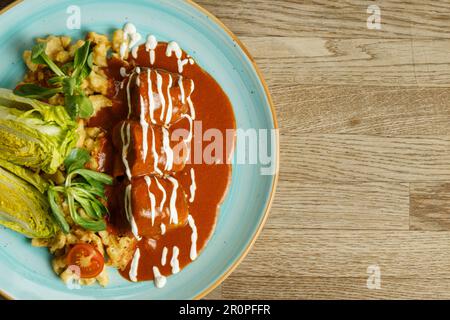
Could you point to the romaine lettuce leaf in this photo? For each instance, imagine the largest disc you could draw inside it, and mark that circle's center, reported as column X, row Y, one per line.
column 34, row 134
column 23, row 208
column 26, row 174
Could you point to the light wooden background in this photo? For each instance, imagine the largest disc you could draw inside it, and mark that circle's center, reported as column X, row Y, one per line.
column 365, row 148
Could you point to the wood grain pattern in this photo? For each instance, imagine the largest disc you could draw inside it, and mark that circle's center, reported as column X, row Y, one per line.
column 368, row 110
column 430, row 206
column 291, row 288
column 383, row 206
column 349, row 157
column 333, row 264
column 379, row 61
column 364, row 121
column 332, row 19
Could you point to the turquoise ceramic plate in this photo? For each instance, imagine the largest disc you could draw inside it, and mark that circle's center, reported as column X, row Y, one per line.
column 25, row 271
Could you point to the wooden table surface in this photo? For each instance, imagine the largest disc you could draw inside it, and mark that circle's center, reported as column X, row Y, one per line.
column 364, row 120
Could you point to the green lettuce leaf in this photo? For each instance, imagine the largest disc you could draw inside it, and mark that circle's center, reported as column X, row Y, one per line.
column 29, row 176
column 34, row 134
column 23, row 208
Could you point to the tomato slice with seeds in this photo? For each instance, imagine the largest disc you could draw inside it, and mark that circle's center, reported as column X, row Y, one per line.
column 87, row 258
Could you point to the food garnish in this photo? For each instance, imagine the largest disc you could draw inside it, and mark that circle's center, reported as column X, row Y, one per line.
column 34, row 134
column 67, row 82
column 22, row 207
column 83, row 192
column 87, row 258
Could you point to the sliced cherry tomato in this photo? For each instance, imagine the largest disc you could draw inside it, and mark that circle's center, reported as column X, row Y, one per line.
column 87, row 258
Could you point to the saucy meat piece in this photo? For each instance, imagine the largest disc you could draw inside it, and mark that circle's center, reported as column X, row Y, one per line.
column 157, row 97
column 150, row 206
column 147, row 151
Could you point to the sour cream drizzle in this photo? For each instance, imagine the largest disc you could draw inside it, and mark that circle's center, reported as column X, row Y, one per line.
column 160, row 280
column 125, row 135
column 131, row 37
column 164, row 195
column 155, row 154
column 129, row 213
column 134, row 52
column 173, row 201
column 189, row 100
column 174, row 263
column 159, row 82
column 191, row 127
column 150, row 46
column 183, row 94
column 173, row 47
column 164, row 256
column 144, row 126
column 129, row 96
column 138, row 80
column 193, row 186
column 167, row 150
column 151, row 101
column 163, row 229
column 152, row 198
column 194, row 237
column 123, row 72
column 135, row 265
column 169, row 105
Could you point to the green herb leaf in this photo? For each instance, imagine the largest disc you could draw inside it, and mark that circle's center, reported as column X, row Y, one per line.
column 83, row 191
column 94, row 175
column 72, row 105
column 67, row 68
column 86, row 70
column 86, row 109
column 34, row 91
column 56, row 80
column 52, row 196
column 69, row 85
column 81, row 56
column 86, row 204
column 96, row 190
column 36, row 53
column 90, row 60
column 94, row 225
column 78, row 106
column 76, row 159
column 39, row 56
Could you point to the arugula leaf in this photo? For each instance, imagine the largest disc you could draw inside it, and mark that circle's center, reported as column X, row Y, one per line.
column 34, row 91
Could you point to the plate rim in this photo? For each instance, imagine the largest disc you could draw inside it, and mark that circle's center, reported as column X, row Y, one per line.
column 263, row 82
